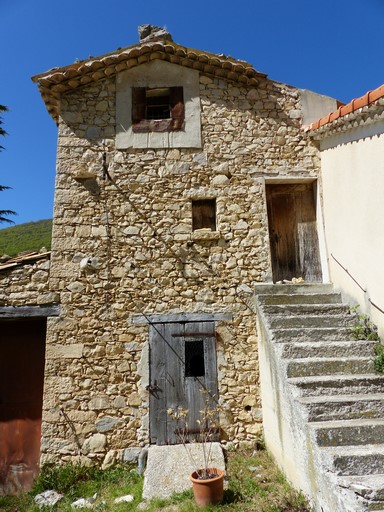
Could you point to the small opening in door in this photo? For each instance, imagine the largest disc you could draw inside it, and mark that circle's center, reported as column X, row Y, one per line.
column 194, row 358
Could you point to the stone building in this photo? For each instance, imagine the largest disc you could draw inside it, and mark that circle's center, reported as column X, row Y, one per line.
column 182, row 178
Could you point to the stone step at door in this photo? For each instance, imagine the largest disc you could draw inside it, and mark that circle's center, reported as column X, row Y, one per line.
column 315, row 309
column 305, row 289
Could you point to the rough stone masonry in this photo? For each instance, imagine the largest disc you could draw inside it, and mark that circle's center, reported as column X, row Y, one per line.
column 130, row 210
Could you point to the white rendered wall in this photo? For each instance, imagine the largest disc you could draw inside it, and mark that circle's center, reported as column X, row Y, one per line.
column 353, row 206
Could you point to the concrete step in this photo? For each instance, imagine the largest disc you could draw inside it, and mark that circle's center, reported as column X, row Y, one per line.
column 293, row 289
column 298, row 350
column 299, row 298
column 306, row 309
column 343, row 407
column 311, row 334
column 329, row 366
column 348, row 432
column 355, row 460
column 337, row 385
column 168, row 467
column 370, row 487
column 311, row 321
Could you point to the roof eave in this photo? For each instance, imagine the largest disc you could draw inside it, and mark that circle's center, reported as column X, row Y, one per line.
column 371, row 113
column 54, row 82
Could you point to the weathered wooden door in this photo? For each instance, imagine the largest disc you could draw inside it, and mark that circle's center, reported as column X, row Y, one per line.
column 292, row 232
column 183, row 373
column 22, row 353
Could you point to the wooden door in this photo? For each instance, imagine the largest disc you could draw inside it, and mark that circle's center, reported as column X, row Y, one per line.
column 183, row 373
column 293, row 233
column 22, row 354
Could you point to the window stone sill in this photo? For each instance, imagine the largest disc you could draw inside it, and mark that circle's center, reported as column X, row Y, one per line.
column 205, row 234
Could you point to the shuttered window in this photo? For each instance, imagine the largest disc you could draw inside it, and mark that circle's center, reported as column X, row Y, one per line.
column 157, row 109
column 204, row 214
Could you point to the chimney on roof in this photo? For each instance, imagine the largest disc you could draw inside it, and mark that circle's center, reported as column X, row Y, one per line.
column 153, row 33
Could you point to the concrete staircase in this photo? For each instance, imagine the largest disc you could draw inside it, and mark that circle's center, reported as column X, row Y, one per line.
column 323, row 403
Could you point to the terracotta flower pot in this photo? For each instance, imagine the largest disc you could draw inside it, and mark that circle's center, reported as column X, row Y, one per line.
column 209, row 491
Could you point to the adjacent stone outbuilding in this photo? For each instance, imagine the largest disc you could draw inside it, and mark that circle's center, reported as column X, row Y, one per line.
column 25, row 307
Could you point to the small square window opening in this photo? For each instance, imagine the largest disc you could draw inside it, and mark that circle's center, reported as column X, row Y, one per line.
column 204, row 214
column 157, row 103
column 157, row 109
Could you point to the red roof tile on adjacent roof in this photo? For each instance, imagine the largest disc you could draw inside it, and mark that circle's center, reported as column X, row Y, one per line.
column 364, row 101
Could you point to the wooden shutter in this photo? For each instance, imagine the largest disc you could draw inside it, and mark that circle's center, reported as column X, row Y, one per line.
column 177, row 109
column 138, row 104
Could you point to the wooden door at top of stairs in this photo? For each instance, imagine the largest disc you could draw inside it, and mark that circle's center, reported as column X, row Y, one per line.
column 22, row 356
column 183, row 373
column 293, row 232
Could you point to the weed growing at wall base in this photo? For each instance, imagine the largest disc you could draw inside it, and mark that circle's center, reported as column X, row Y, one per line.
column 379, row 359
column 364, row 328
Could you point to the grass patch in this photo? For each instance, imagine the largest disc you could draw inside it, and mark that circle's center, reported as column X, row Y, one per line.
column 253, row 483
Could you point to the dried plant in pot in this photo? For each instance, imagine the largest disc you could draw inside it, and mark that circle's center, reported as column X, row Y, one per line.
column 208, row 490
column 207, row 480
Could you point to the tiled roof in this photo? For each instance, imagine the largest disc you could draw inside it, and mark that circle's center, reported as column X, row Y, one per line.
column 60, row 80
column 350, row 111
column 23, row 259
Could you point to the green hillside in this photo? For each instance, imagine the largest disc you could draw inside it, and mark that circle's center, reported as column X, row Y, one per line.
column 31, row 236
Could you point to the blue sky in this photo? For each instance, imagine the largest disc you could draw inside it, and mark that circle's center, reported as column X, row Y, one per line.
column 334, row 47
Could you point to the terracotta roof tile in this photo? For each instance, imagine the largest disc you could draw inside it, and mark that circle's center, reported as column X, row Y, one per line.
column 56, row 81
column 368, row 99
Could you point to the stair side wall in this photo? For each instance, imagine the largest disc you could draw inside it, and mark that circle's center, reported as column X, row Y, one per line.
column 286, row 434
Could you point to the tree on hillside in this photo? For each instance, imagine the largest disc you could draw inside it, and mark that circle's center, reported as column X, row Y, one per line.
column 4, row 213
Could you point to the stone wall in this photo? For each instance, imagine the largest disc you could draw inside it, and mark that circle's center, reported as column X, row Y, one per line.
column 138, row 228
column 24, row 281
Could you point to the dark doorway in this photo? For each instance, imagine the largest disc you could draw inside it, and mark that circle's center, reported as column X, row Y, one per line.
column 22, row 355
column 183, row 373
column 292, row 232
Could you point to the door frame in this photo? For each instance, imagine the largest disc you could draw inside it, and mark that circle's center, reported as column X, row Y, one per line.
column 18, row 314
column 21, row 402
column 155, row 320
column 292, row 180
